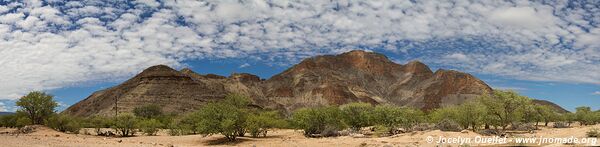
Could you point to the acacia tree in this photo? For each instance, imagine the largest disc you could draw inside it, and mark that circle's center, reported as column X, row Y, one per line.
column 505, row 107
column 319, row 120
column 471, row 114
column 391, row 117
column 126, row 124
column 357, row 115
column 546, row 113
column 148, row 111
column 38, row 106
column 227, row 117
column 584, row 115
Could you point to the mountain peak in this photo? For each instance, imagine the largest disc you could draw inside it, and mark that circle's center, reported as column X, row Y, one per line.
column 160, row 71
column 417, row 67
column 186, row 70
column 360, row 55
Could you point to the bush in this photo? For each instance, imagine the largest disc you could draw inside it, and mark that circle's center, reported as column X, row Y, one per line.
column 148, row 111
column 318, row 120
column 357, row 115
column 381, row 131
column 227, row 117
column 188, row 124
column 22, row 122
column 64, row 123
column 98, row 123
column 594, row 132
column 125, row 124
column 443, row 113
column 504, row 107
column 393, row 117
column 149, row 126
column 448, row 125
column 258, row 124
column 9, row 121
column 585, row 116
column 175, row 130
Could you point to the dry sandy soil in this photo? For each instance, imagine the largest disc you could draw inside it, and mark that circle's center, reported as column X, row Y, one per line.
column 285, row 137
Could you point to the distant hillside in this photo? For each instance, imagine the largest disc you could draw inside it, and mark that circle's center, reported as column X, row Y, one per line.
column 556, row 107
column 6, row 113
column 355, row 76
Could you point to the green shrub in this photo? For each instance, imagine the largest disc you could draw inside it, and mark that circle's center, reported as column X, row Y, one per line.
column 175, row 129
column 172, row 125
column 318, row 120
column 469, row 114
column 357, row 115
column 9, row 121
column 22, row 122
column 227, row 117
column 437, row 115
column 148, row 111
column 259, row 123
column 189, row 123
column 64, row 123
column 504, row 107
column 381, row 131
column 125, row 124
column 594, row 132
column 98, row 123
column 149, row 126
column 393, row 117
column 585, row 116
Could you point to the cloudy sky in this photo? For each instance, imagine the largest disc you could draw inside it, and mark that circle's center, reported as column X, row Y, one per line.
column 544, row 49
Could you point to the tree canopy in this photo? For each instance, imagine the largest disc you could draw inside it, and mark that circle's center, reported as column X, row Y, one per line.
column 38, row 106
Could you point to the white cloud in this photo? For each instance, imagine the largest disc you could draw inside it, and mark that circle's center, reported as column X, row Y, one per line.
column 522, row 17
column 55, row 46
column 11, row 18
column 4, row 8
column 458, row 57
column 2, row 107
column 596, row 93
column 244, row 65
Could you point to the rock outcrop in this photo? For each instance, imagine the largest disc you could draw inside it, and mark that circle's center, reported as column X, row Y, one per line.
column 355, row 76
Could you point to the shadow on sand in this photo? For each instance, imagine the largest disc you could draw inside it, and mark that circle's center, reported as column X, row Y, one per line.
column 238, row 140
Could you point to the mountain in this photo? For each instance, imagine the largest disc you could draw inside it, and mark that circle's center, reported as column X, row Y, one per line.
column 554, row 106
column 6, row 113
column 355, row 76
column 370, row 77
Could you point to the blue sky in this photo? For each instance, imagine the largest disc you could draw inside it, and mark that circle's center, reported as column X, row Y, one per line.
column 544, row 49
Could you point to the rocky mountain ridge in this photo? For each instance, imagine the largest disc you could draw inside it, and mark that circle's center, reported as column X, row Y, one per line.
column 355, row 76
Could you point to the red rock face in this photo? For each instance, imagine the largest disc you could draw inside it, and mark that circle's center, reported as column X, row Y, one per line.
column 355, row 76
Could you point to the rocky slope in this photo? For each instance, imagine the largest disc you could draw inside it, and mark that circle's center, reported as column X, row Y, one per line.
column 355, row 76
column 554, row 106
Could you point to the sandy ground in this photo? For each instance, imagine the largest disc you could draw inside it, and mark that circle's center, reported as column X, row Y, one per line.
column 285, row 137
